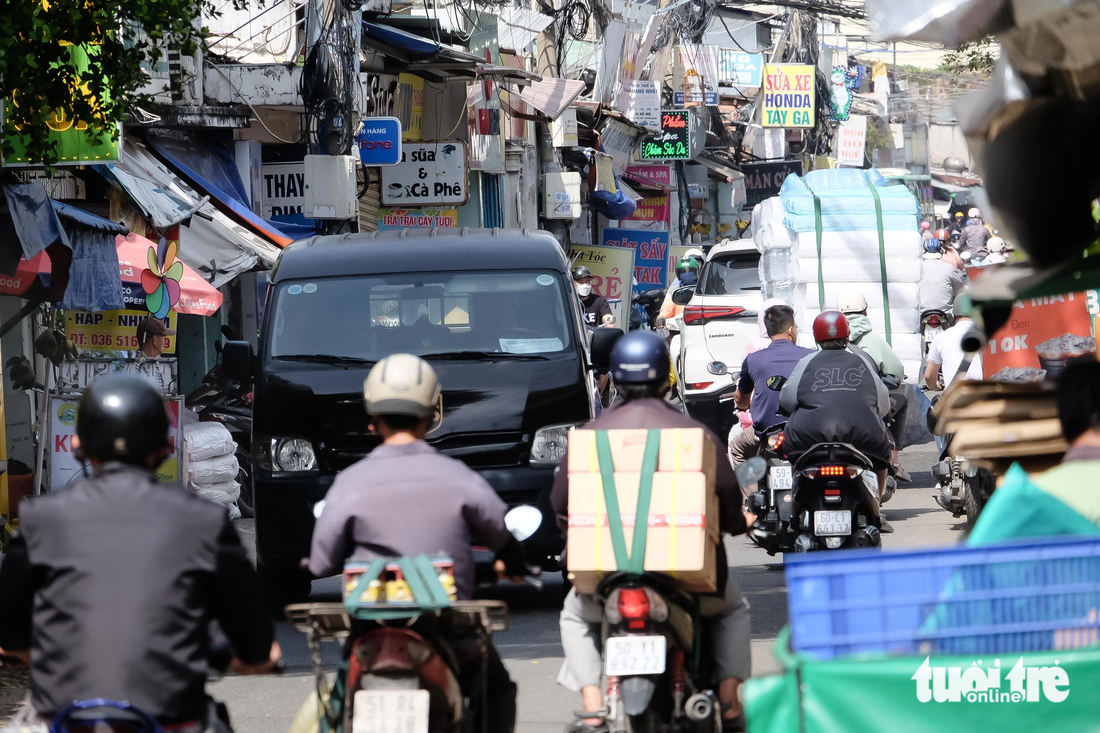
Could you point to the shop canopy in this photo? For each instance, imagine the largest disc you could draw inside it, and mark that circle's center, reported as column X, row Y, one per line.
column 195, row 297
column 211, row 242
column 418, row 55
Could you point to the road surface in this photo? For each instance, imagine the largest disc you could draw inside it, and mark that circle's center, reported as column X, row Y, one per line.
column 531, row 648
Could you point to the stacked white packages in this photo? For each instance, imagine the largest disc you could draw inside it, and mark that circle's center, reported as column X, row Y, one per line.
column 210, row 464
column 795, row 266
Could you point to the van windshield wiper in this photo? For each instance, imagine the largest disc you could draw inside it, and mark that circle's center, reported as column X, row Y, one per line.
column 323, row 359
column 482, row 356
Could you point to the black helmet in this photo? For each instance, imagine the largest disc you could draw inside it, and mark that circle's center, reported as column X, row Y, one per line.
column 581, row 271
column 122, row 418
column 640, row 357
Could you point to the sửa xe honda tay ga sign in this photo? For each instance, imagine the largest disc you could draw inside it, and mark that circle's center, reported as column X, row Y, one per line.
column 380, row 141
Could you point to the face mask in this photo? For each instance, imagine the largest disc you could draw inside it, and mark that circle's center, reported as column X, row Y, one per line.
column 584, row 290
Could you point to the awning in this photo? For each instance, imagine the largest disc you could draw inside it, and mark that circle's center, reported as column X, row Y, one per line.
column 94, row 280
column 210, row 241
column 29, row 227
column 418, row 55
column 211, row 168
column 720, row 171
column 549, row 96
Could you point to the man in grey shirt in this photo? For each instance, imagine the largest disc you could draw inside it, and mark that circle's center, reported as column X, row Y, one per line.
column 406, row 498
column 940, row 282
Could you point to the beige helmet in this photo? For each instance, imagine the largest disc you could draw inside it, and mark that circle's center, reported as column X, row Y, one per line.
column 851, row 301
column 403, row 384
column 995, row 244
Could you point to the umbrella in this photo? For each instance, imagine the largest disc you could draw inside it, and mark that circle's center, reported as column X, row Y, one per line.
column 151, row 276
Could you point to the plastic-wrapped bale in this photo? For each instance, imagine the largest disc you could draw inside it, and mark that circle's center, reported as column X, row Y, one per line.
column 856, row 270
column 204, row 440
column 901, row 320
column 902, row 295
column 213, row 470
column 225, row 493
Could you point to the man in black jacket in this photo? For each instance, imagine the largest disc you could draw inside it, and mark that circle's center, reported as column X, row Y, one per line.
column 108, row 588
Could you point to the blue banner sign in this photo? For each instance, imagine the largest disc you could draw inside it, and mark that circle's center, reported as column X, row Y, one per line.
column 380, row 141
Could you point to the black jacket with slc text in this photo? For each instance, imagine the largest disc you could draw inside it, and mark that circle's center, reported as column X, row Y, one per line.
column 112, row 584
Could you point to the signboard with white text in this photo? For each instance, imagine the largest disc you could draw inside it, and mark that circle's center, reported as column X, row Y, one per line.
column 851, row 141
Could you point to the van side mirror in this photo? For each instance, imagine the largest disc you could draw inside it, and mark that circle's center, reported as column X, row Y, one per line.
column 237, row 361
column 603, row 340
column 683, row 295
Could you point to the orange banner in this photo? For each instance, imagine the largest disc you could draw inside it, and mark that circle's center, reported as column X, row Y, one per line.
column 1040, row 335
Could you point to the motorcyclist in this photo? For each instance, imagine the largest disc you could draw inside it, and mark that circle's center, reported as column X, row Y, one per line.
column 940, row 282
column 835, row 396
column 693, row 253
column 996, row 256
column 640, row 366
column 405, row 498
column 945, row 353
column 926, row 231
column 959, row 222
column 763, row 374
column 597, row 311
column 974, row 237
column 108, row 588
column 853, row 305
column 947, row 250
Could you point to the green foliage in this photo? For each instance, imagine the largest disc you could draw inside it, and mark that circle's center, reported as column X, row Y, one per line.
column 975, row 57
column 39, row 77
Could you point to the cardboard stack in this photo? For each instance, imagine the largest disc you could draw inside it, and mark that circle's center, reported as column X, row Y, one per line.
column 682, row 525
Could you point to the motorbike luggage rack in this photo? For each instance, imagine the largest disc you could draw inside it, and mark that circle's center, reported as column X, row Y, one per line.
column 332, row 621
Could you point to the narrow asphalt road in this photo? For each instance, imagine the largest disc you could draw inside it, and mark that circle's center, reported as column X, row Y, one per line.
column 531, row 647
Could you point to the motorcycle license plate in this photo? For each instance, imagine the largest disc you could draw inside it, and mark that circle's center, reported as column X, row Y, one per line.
column 832, row 524
column 390, row 711
column 633, row 655
column 930, row 334
column 780, row 478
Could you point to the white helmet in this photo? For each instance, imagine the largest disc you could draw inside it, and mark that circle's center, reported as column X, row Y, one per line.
column 974, row 213
column 696, row 253
column 851, row 301
column 403, row 384
column 995, row 244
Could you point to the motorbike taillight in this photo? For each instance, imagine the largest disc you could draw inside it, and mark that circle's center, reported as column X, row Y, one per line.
column 634, row 607
column 775, row 442
column 934, row 321
column 824, row 471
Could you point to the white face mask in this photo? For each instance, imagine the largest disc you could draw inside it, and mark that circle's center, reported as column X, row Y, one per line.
column 584, row 289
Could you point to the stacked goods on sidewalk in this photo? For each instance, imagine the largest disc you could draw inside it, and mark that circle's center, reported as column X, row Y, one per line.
column 210, row 464
column 657, row 481
column 844, row 229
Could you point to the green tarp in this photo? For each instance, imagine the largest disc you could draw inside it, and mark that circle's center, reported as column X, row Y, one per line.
column 1038, row 691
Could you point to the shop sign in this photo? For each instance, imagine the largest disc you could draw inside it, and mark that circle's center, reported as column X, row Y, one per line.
column 763, row 180
column 697, row 71
column 72, row 142
column 851, row 141
column 429, row 174
column 640, row 101
column 739, row 70
column 660, row 175
column 380, row 141
column 789, row 94
column 651, row 208
column 112, row 330
column 66, row 470
column 674, row 142
column 412, row 218
column 283, row 189
column 1039, row 337
column 611, row 272
column 650, row 254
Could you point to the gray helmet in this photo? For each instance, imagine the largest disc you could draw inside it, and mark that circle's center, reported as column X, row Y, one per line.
column 581, row 271
column 403, row 384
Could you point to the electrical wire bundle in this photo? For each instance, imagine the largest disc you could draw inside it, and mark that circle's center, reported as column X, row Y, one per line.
column 328, row 85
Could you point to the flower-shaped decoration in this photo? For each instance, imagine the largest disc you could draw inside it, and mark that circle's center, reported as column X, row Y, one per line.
column 161, row 282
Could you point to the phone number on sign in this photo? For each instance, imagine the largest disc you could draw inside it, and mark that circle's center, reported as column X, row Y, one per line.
column 107, row 340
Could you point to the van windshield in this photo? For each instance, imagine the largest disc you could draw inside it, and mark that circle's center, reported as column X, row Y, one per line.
column 366, row 318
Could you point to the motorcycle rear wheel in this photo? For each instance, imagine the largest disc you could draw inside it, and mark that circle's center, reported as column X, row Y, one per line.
column 972, row 504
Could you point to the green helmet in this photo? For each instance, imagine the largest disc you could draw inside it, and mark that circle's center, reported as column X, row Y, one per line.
column 686, row 264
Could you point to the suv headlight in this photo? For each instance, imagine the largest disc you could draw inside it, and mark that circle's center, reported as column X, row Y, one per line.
column 285, row 455
column 549, row 444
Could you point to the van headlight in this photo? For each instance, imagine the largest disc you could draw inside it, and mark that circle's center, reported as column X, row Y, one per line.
column 285, row 455
column 549, row 444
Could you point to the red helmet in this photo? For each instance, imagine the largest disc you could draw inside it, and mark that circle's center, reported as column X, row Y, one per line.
column 942, row 235
column 830, row 325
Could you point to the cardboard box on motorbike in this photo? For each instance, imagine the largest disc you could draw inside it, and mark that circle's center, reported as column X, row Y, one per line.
column 682, row 524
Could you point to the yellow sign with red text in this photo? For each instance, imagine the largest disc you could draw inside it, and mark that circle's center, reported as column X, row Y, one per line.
column 112, row 330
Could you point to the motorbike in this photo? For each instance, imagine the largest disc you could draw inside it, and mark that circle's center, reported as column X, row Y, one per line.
column 655, row 651
column 645, row 308
column 932, row 324
column 835, row 500
column 772, row 504
column 218, row 399
column 962, row 487
column 403, row 665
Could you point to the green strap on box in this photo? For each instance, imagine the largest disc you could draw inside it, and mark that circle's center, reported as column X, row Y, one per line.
column 881, row 255
column 634, row 563
column 817, row 230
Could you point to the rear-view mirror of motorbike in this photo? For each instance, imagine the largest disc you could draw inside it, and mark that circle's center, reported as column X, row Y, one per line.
column 603, row 340
column 683, row 295
column 751, row 471
column 237, row 361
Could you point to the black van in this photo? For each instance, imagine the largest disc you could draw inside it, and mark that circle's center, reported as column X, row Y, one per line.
column 492, row 310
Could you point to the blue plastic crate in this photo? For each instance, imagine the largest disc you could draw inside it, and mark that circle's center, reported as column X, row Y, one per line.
column 1012, row 597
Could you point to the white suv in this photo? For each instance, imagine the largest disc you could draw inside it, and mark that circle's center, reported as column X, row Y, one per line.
column 719, row 323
